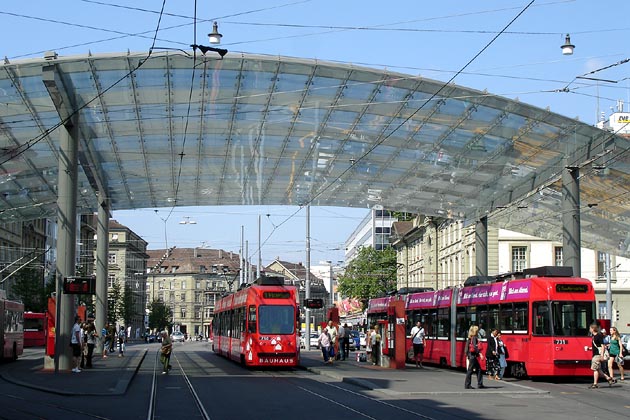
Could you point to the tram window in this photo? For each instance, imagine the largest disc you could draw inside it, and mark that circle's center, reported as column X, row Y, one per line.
column 520, row 318
column 462, row 323
column 542, row 318
column 276, row 319
column 482, row 314
column 251, row 319
column 505, row 319
column 443, row 322
column 493, row 317
column 571, row 318
column 432, row 323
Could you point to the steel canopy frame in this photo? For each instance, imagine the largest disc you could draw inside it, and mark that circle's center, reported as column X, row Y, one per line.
column 261, row 130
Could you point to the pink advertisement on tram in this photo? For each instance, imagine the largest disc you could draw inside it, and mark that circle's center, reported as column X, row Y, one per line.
column 495, row 292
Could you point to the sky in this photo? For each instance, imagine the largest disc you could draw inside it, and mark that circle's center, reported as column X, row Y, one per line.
column 510, row 48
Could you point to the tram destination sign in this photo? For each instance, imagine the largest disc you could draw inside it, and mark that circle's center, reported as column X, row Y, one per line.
column 571, row 288
column 79, row 285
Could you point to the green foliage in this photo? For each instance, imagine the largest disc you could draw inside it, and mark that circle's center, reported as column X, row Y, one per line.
column 30, row 289
column 114, row 299
column 160, row 316
column 126, row 305
column 371, row 274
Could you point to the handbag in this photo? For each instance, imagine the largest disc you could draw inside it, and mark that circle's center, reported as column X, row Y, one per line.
column 619, row 360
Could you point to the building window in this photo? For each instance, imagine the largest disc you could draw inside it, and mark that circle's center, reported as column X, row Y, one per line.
column 114, row 237
column 111, row 280
column 197, row 313
column 183, row 284
column 182, row 312
column 174, row 269
column 111, row 258
column 557, row 256
column 601, row 265
column 183, row 296
column 519, row 255
column 202, row 268
column 197, row 297
column 602, row 310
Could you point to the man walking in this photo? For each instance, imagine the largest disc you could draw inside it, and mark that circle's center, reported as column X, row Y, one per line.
column 75, row 343
column 341, row 335
column 417, row 339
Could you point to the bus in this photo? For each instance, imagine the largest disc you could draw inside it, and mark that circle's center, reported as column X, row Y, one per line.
column 257, row 326
column 35, row 324
column 543, row 314
column 11, row 327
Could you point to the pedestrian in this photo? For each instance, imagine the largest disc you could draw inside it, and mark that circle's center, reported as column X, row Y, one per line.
column 417, row 340
column 473, row 355
column 342, row 338
column 598, row 358
column 112, row 337
column 75, row 343
column 375, row 344
column 606, row 340
column 106, row 339
column 165, row 352
column 503, row 355
column 615, row 352
column 492, row 355
column 332, row 330
column 91, row 342
column 122, row 337
column 324, row 342
column 346, row 343
column 84, row 348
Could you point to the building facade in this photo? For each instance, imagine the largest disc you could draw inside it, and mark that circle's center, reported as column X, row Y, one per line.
column 441, row 253
column 374, row 231
column 190, row 281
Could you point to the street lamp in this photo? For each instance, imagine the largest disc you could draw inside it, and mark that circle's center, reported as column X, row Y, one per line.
column 214, row 37
column 567, row 48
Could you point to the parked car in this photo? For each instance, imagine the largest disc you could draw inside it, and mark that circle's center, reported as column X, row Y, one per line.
column 151, row 338
column 313, row 340
column 178, row 336
column 354, row 340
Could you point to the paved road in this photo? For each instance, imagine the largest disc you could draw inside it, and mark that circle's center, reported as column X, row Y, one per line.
column 347, row 391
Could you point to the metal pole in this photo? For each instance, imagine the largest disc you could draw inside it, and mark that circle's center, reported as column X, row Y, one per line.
column 240, row 273
column 307, row 277
column 259, row 251
column 608, row 289
column 102, row 248
column 66, row 240
column 332, row 294
column 571, row 235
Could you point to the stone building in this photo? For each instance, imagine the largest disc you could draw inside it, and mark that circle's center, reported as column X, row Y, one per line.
column 190, row 281
column 295, row 275
column 440, row 253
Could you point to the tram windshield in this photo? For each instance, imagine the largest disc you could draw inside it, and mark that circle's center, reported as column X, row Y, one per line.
column 276, row 319
column 563, row 318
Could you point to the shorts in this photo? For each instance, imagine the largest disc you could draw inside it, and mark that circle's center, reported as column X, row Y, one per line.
column 418, row 349
column 76, row 350
column 596, row 362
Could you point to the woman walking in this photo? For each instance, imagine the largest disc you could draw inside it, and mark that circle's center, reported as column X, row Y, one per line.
column 473, row 353
column 615, row 352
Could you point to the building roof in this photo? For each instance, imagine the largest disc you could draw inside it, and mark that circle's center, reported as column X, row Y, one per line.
column 260, row 130
column 189, row 260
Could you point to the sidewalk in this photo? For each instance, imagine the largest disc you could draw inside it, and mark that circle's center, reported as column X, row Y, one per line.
column 409, row 381
column 110, row 376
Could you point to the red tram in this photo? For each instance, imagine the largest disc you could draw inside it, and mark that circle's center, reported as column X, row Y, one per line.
column 543, row 314
column 11, row 327
column 257, row 326
column 35, row 325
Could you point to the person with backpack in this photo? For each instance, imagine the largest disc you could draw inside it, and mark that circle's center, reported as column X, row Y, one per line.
column 417, row 339
column 473, row 354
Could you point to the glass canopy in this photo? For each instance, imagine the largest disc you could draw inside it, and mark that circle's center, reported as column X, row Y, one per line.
column 185, row 130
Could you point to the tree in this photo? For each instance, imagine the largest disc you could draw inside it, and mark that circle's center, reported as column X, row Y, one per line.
column 30, row 289
column 126, row 305
column 371, row 274
column 160, row 315
column 114, row 298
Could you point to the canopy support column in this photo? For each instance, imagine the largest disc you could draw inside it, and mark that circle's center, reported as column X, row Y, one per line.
column 481, row 247
column 102, row 251
column 571, row 236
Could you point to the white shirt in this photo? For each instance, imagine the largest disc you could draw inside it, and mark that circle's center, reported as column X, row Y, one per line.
column 342, row 332
column 76, row 328
column 417, row 335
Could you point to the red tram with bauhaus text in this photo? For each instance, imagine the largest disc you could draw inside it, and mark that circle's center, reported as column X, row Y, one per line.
column 257, row 326
column 543, row 314
column 11, row 327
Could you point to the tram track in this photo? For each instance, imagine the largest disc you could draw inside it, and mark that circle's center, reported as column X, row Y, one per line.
column 157, row 390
